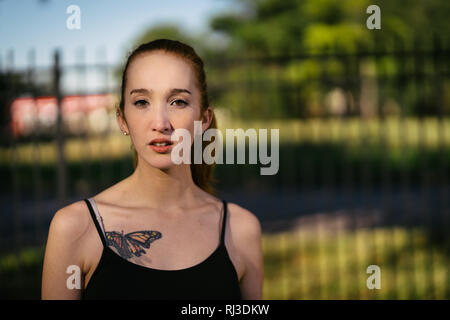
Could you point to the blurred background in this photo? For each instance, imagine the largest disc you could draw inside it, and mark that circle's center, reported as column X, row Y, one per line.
column 364, row 119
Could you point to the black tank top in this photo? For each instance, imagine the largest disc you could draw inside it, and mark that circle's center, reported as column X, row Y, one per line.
column 117, row 278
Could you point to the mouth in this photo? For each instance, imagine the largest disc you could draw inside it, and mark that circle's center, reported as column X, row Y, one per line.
column 161, row 145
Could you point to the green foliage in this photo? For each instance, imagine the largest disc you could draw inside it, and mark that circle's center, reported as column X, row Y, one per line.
column 252, row 87
column 289, row 25
column 20, row 273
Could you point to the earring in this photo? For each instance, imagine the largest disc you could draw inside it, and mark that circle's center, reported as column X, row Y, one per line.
column 125, row 133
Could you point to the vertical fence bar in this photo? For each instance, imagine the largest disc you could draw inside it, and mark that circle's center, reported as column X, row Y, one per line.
column 17, row 208
column 328, row 180
column 106, row 164
column 316, row 234
column 439, row 223
column 347, row 175
column 386, row 238
column 439, row 67
column 35, row 135
column 340, row 232
column 367, row 115
column 404, row 197
column 348, row 171
column 306, row 171
column 444, row 143
column 16, row 196
column 424, row 215
column 358, row 92
column 61, row 165
column 379, row 234
column 84, row 134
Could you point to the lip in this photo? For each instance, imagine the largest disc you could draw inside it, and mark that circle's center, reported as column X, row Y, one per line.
column 161, row 140
column 161, row 149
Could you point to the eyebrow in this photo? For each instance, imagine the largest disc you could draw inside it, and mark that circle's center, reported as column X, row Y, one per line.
column 171, row 92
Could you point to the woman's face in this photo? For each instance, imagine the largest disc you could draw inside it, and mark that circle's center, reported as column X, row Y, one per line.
column 160, row 96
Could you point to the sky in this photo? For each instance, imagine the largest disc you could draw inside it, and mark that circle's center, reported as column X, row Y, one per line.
column 107, row 26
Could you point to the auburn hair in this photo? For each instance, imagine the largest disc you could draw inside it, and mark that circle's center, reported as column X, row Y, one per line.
column 202, row 174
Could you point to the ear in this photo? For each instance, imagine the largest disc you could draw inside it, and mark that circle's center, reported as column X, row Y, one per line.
column 121, row 121
column 207, row 117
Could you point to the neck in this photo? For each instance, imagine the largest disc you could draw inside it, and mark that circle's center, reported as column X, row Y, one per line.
column 161, row 188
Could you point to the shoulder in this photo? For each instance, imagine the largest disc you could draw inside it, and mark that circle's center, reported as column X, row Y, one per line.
column 247, row 237
column 244, row 223
column 66, row 245
column 71, row 221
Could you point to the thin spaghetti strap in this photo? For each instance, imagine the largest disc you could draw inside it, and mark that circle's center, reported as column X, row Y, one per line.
column 224, row 221
column 94, row 218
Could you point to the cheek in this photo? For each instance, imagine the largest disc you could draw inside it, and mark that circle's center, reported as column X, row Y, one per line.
column 184, row 119
column 137, row 125
column 134, row 120
column 185, row 122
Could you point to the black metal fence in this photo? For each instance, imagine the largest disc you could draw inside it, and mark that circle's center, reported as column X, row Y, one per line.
column 363, row 173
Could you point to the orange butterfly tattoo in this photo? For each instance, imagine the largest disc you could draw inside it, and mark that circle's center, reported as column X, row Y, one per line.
column 131, row 243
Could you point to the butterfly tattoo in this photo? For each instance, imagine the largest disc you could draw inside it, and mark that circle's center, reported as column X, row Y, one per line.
column 131, row 243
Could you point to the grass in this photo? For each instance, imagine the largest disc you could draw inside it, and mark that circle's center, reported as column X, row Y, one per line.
column 306, row 265
column 317, row 265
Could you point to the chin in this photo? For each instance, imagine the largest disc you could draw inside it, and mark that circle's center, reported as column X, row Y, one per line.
column 161, row 162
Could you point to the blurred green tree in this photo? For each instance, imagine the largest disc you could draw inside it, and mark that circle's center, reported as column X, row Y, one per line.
column 277, row 27
column 301, row 87
column 282, row 28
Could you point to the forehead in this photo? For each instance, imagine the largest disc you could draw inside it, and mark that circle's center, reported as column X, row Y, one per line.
column 160, row 71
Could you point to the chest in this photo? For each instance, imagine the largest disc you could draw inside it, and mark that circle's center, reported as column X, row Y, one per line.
column 164, row 244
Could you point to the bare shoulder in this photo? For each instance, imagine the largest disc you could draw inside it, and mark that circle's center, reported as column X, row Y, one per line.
column 248, row 239
column 65, row 247
column 71, row 221
column 244, row 222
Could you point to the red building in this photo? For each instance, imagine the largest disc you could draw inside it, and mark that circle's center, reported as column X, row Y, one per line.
column 89, row 113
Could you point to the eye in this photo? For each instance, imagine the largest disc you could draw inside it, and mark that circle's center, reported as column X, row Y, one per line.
column 140, row 103
column 180, row 102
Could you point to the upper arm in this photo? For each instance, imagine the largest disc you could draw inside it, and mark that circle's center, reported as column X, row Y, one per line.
column 63, row 258
column 249, row 234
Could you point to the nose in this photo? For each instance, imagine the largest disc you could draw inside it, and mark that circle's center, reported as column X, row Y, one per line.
column 160, row 119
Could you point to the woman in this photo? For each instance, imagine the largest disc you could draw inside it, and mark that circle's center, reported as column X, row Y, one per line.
column 159, row 233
